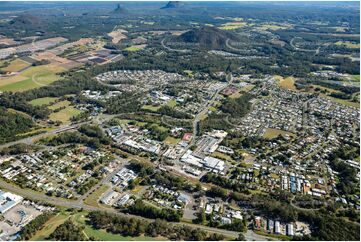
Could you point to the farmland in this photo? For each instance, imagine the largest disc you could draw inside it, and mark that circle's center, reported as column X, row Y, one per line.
column 233, row 25
column 16, row 65
column 348, row 44
column 31, row 78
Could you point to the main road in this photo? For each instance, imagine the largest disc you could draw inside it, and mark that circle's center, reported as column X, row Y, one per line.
column 30, row 140
column 205, row 110
column 78, row 204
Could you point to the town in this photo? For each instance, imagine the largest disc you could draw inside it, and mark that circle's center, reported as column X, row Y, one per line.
column 158, row 122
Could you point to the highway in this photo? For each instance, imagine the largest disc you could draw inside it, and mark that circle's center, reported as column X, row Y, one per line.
column 30, row 140
column 170, row 49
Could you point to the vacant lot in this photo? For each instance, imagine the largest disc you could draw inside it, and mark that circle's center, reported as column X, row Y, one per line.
column 117, row 35
column 93, row 198
column 171, row 140
column 273, row 133
column 172, row 103
column 287, row 83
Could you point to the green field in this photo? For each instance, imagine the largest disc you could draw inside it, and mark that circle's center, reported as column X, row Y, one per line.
column 172, row 103
column 65, row 114
column 287, row 83
column 343, row 101
column 233, row 25
column 132, row 49
column 43, row 101
column 276, row 236
column 50, row 226
column 273, row 133
column 31, row 78
column 151, row 108
column 171, row 140
column 222, row 156
column 189, row 73
column 273, row 27
column 60, row 104
column 348, row 44
column 355, row 78
column 93, row 198
column 16, row 65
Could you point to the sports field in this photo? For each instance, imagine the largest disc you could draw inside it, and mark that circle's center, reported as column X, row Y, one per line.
column 171, row 140
column 33, row 77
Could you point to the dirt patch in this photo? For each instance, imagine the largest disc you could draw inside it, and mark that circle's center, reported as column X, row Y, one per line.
column 117, row 35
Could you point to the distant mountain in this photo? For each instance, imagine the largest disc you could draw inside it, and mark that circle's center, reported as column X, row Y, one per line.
column 173, row 4
column 26, row 20
column 120, row 10
column 207, row 37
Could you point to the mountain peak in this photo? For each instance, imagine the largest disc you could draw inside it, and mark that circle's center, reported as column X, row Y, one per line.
column 120, row 9
column 173, row 4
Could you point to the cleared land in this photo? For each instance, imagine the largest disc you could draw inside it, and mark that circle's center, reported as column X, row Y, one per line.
column 60, row 104
column 348, row 44
column 132, row 49
column 151, row 108
column 50, row 226
column 171, row 140
column 65, row 114
column 117, row 35
column 92, row 199
column 288, row 83
column 43, row 101
column 273, row 27
column 273, row 133
column 16, row 65
column 172, row 103
column 233, row 25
